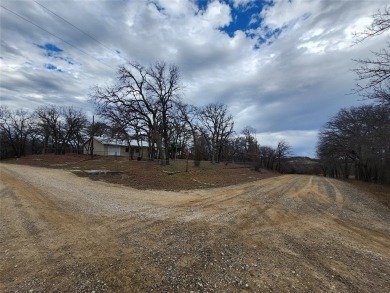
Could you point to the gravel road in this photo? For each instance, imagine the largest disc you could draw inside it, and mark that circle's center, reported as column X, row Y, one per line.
column 63, row 233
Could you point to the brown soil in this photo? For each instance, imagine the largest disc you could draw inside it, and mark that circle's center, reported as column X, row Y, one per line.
column 149, row 174
column 63, row 233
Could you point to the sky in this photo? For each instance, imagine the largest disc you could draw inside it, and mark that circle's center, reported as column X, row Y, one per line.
column 282, row 67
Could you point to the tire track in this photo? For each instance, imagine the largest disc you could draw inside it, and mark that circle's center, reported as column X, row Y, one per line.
column 338, row 197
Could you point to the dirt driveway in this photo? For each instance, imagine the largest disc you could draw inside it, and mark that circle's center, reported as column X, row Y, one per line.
column 63, row 233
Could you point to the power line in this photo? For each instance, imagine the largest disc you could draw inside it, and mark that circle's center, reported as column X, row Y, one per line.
column 54, row 35
column 68, row 22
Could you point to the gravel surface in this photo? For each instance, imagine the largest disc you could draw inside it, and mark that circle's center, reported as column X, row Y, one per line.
column 63, row 233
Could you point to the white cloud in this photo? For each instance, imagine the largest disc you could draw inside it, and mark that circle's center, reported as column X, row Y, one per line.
column 217, row 14
column 177, row 7
column 281, row 12
column 304, row 141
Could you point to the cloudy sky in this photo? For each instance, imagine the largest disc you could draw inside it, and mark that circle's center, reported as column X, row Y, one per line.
column 281, row 67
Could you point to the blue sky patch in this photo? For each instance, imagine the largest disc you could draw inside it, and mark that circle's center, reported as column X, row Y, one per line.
column 53, row 67
column 202, row 4
column 50, row 49
column 244, row 17
column 247, row 18
column 55, row 52
column 270, row 35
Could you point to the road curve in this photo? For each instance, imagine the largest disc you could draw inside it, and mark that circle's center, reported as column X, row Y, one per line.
column 60, row 232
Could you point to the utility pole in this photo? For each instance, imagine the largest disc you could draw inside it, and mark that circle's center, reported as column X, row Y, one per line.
column 92, row 132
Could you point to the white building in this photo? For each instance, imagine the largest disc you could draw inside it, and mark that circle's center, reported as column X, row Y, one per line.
column 115, row 147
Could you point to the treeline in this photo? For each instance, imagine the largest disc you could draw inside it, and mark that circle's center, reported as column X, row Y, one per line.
column 206, row 133
column 356, row 142
column 49, row 129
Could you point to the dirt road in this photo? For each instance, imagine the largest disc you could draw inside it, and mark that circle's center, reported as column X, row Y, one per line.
column 63, row 233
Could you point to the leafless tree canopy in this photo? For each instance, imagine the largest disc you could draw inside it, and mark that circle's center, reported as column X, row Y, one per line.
column 48, row 129
column 282, row 151
column 217, row 127
column 356, row 142
column 15, row 128
column 373, row 74
column 60, row 127
column 142, row 102
column 379, row 25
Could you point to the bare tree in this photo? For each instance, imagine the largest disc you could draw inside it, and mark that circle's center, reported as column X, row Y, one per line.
column 163, row 86
column 127, row 104
column 282, row 151
column 74, row 124
column 60, row 128
column 143, row 98
column 250, row 142
column 180, row 133
column 189, row 115
column 97, row 128
column 379, row 25
column 48, row 120
column 373, row 74
column 15, row 129
column 216, row 126
column 267, row 157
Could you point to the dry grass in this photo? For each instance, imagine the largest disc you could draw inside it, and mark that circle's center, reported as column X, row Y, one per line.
column 381, row 192
column 150, row 174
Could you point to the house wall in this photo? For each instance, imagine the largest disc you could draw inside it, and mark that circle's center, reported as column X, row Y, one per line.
column 98, row 148
column 121, row 151
column 112, row 150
